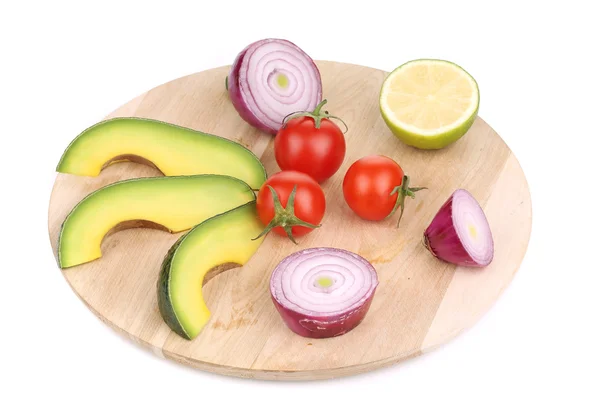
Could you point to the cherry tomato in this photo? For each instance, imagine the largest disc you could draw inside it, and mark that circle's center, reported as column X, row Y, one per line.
column 375, row 186
column 311, row 143
column 308, row 204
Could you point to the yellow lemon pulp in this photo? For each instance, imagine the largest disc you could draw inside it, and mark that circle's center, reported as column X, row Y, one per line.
column 429, row 103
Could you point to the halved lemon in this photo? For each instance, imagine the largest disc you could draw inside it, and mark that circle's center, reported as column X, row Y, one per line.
column 429, row 103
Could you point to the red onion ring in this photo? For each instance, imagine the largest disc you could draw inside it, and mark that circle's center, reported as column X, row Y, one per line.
column 323, row 292
column 270, row 79
column 460, row 233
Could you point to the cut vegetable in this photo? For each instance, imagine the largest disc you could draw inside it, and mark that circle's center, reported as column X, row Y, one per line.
column 460, row 233
column 173, row 149
column 270, row 79
column 224, row 239
column 323, row 292
column 175, row 203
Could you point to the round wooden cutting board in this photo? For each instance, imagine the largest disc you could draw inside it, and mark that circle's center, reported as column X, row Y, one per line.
column 420, row 303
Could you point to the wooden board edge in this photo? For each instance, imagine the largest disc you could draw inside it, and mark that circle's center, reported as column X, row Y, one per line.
column 290, row 376
column 251, row 374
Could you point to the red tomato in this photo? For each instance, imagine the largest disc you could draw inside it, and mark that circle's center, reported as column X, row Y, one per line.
column 309, row 204
column 375, row 186
column 316, row 151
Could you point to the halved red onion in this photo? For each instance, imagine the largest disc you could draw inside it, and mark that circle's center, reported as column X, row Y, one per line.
column 460, row 233
column 323, row 292
column 270, row 79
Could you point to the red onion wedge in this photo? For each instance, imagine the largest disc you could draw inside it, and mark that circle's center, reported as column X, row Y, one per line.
column 269, row 80
column 323, row 292
column 460, row 233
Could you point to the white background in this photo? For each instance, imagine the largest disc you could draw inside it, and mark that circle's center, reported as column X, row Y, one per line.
column 66, row 65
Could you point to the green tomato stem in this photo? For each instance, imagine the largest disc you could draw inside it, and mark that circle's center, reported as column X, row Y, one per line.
column 403, row 190
column 317, row 111
column 285, row 217
column 317, row 115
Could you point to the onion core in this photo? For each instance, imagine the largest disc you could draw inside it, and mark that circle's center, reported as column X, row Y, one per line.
column 323, row 292
column 270, row 79
column 460, row 233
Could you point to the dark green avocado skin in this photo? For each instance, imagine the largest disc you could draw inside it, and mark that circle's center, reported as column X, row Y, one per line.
column 164, row 302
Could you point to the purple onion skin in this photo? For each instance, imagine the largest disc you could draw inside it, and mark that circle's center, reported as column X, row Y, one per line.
column 316, row 327
column 443, row 242
column 235, row 95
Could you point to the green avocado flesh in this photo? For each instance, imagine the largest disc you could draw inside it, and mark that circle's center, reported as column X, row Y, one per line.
column 225, row 238
column 176, row 203
column 173, row 149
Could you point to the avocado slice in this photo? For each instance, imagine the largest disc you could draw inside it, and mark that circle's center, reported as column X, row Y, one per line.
column 175, row 203
column 224, row 239
column 173, row 149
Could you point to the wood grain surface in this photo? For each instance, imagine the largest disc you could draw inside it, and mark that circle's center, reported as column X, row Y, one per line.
column 421, row 302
